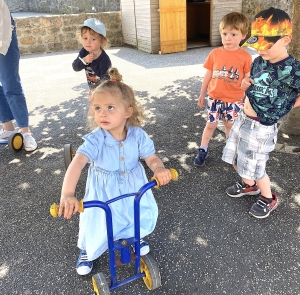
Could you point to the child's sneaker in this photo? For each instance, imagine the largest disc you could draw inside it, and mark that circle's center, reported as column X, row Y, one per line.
column 144, row 247
column 4, row 134
column 29, row 142
column 200, row 158
column 83, row 266
column 264, row 206
column 240, row 189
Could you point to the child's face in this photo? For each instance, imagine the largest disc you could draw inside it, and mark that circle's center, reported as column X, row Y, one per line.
column 231, row 38
column 110, row 113
column 91, row 41
column 277, row 52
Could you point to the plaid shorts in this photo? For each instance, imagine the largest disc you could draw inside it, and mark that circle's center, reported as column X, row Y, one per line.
column 220, row 110
column 248, row 146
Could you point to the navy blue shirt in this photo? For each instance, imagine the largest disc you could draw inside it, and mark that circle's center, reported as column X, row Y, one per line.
column 96, row 71
column 275, row 89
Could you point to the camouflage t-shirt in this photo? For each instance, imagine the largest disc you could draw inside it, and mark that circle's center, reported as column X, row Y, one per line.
column 275, row 89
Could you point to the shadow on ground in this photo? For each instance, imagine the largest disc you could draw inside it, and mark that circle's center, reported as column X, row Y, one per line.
column 205, row 242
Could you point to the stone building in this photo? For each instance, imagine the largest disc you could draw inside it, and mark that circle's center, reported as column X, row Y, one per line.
column 63, row 6
column 56, row 31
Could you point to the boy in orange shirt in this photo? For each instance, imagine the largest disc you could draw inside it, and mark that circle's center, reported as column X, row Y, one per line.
column 226, row 67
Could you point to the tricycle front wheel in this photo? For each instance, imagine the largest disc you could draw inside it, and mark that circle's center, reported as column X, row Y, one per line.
column 100, row 284
column 152, row 277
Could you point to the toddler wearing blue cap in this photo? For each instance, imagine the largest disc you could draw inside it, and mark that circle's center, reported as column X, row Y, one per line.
column 92, row 56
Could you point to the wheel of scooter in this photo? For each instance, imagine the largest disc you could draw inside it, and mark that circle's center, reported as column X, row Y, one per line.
column 15, row 142
column 68, row 154
column 152, row 277
column 100, row 284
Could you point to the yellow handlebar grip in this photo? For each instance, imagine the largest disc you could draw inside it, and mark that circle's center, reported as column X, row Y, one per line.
column 54, row 208
column 174, row 176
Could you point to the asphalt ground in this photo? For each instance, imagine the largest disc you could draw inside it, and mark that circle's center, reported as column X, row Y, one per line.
column 204, row 243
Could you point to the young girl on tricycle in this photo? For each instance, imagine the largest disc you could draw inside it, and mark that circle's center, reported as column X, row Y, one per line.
column 113, row 150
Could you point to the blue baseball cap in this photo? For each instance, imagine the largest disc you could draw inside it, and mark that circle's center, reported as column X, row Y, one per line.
column 95, row 24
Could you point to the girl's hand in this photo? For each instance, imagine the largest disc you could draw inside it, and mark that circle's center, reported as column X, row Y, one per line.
column 246, row 83
column 68, row 204
column 163, row 175
column 201, row 101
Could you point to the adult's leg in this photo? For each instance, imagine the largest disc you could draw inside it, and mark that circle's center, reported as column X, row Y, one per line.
column 11, row 86
column 6, row 116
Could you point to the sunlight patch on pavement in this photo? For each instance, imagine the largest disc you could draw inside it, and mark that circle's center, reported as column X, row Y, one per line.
column 3, row 270
column 201, row 241
column 14, row 161
column 297, row 199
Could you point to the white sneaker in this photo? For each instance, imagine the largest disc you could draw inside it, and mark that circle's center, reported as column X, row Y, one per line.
column 144, row 247
column 4, row 134
column 29, row 142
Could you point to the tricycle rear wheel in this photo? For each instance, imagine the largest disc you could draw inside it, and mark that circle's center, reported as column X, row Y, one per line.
column 152, row 277
column 68, row 154
column 100, row 284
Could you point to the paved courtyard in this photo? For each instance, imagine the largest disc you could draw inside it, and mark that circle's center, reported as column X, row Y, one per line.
column 205, row 242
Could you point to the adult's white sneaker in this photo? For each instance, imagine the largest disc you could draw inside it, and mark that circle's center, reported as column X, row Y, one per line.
column 29, row 142
column 4, row 134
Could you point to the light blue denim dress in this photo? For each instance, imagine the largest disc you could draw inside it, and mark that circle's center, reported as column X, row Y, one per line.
column 115, row 170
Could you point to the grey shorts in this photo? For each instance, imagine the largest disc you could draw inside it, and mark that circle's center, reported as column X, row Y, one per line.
column 248, row 146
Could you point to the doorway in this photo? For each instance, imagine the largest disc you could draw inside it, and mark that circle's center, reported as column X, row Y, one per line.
column 198, row 20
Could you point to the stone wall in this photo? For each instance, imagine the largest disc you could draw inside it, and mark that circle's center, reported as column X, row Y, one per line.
column 58, row 32
column 63, row 6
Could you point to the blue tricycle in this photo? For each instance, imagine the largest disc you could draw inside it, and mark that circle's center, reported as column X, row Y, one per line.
column 145, row 266
column 14, row 142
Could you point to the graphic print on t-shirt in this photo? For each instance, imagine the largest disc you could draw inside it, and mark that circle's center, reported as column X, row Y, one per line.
column 92, row 79
column 231, row 75
column 261, row 87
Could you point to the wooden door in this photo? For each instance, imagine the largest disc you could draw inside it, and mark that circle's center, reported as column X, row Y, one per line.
column 172, row 25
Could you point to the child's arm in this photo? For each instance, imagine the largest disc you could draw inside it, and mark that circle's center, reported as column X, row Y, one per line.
column 206, row 80
column 77, row 65
column 247, row 81
column 68, row 201
column 247, row 75
column 82, row 60
column 297, row 103
column 160, row 172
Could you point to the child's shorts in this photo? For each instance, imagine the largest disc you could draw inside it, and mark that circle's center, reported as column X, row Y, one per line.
column 220, row 110
column 248, row 146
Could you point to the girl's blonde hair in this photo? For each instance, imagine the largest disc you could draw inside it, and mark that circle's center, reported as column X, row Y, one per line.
column 104, row 41
column 116, row 87
column 235, row 20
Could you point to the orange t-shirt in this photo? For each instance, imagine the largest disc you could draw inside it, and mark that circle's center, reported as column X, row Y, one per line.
column 228, row 70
